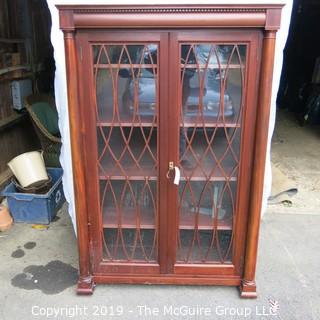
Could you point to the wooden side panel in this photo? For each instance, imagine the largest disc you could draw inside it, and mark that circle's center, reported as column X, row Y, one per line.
column 85, row 284
column 248, row 287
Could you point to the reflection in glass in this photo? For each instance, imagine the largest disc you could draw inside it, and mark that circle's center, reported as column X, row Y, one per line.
column 211, row 88
column 139, row 97
column 126, row 82
column 125, row 79
column 128, row 204
column 132, row 246
column 127, row 54
column 211, row 202
column 205, row 70
column 127, row 151
column 202, row 246
column 209, row 153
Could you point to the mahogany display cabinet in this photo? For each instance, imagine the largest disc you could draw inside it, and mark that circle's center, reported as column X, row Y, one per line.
column 169, row 110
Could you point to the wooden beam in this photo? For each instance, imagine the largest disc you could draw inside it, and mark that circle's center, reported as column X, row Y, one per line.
column 12, row 120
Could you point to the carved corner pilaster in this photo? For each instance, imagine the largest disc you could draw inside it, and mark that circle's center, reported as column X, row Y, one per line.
column 66, row 19
column 68, row 34
column 248, row 289
column 273, row 19
column 85, row 285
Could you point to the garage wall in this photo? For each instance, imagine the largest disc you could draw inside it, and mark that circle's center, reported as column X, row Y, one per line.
column 61, row 91
column 20, row 40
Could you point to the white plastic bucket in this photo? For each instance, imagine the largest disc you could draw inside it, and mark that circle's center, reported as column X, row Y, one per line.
column 29, row 168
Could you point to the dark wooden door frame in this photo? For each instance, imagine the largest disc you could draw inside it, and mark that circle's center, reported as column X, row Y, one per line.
column 167, row 127
column 87, row 90
column 252, row 38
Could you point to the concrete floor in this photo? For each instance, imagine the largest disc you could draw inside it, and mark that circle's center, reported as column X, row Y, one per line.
column 296, row 152
column 288, row 273
column 38, row 274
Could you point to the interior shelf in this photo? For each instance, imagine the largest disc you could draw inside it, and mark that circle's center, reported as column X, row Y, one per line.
column 207, row 122
column 155, row 66
column 12, row 76
column 125, row 66
column 15, row 68
column 187, row 221
column 131, row 173
column 148, row 123
column 212, row 66
column 220, row 167
column 198, row 174
column 128, row 219
column 205, row 222
column 142, row 177
column 12, row 120
column 126, row 120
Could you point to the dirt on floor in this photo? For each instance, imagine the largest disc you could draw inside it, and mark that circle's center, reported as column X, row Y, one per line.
column 296, row 152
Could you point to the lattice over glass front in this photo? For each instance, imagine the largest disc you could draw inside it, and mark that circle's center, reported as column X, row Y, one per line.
column 212, row 90
column 126, row 85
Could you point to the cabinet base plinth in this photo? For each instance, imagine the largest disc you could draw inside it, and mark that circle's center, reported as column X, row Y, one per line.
column 248, row 289
column 85, row 286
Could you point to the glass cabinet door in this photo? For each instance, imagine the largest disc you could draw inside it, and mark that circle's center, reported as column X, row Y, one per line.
column 126, row 101
column 163, row 98
column 211, row 101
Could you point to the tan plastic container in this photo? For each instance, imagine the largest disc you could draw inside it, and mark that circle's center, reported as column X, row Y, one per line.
column 6, row 220
column 29, row 168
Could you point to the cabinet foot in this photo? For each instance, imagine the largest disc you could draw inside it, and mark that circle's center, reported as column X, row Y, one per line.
column 248, row 289
column 85, row 285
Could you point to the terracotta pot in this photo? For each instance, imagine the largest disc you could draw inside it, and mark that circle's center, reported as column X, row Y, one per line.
column 6, row 220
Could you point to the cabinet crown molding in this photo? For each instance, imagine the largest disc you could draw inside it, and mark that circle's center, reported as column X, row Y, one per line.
column 174, row 16
column 167, row 10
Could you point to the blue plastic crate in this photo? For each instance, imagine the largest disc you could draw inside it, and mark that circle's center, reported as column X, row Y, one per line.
column 36, row 208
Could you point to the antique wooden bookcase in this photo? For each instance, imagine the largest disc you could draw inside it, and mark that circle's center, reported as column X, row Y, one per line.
column 155, row 91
